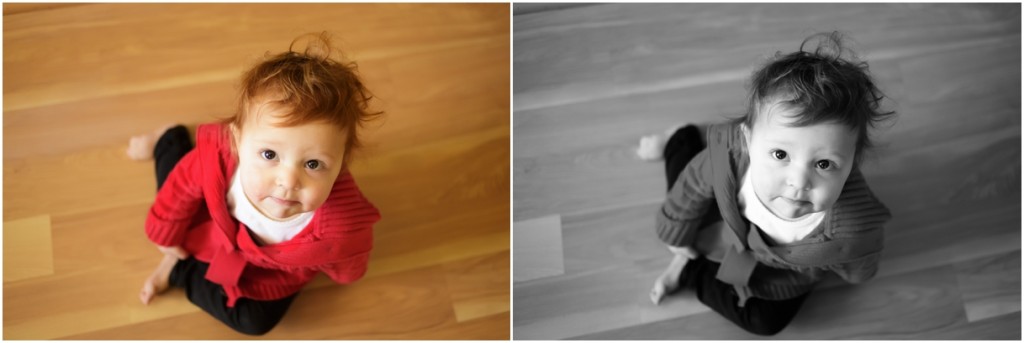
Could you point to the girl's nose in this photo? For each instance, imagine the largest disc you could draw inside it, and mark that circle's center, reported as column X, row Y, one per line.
column 798, row 178
column 288, row 178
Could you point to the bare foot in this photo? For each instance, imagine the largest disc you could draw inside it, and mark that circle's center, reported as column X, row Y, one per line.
column 653, row 146
column 158, row 281
column 668, row 282
column 140, row 148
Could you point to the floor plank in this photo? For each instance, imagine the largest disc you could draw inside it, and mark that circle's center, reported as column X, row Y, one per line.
column 1005, row 327
column 905, row 305
column 581, row 303
column 15, row 8
column 990, row 286
column 633, row 45
column 408, row 301
column 494, row 327
column 465, row 279
column 28, row 248
column 416, row 302
column 85, row 301
column 538, row 248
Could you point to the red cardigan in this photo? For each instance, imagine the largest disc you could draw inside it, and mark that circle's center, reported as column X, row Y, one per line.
column 191, row 211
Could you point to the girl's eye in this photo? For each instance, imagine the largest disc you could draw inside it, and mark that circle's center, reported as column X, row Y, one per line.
column 779, row 154
column 824, row 164
column 313, row 164
column 268, row 154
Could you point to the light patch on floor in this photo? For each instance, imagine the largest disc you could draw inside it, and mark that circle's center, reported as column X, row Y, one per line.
column 537, row 248
column 480, row 307
column 990, row 286
column 28, row 248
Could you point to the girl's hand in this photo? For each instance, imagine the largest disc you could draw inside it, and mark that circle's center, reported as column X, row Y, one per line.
column 176, row 251
column 668, row 281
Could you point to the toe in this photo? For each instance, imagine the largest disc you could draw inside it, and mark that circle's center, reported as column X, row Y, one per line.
column 145, row 296
column 648, row 140
column 648, row 149
column 657, row 293
column 147, row 292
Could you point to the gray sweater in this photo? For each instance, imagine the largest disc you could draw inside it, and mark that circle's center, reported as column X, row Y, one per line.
column 848, row 242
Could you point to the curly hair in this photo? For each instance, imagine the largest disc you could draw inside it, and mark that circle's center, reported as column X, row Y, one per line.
column 819, row 86
column 310, row 86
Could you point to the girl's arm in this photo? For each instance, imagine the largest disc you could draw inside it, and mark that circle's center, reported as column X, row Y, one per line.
column 347, row 271
column 176, row 202
column 680, row 218
column 686, row 203
column 355, row 251
column 858, row 271
column 866, row 248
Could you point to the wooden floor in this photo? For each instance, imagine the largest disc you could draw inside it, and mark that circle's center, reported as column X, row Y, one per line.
column 80, row 79
column 589, row 81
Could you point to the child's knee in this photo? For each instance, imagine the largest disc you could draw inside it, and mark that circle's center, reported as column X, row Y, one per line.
column 254, row 327
column 252, row 321
column 765, row 330
column 765, row 326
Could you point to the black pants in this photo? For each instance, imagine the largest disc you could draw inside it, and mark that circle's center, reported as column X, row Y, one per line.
column 758, row 316
column 251, row 317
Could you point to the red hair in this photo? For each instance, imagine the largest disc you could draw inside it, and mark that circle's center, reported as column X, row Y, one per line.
column 310, row 87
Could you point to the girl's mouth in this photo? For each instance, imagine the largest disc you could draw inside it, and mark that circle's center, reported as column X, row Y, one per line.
column 283, row 202
column 794, row 202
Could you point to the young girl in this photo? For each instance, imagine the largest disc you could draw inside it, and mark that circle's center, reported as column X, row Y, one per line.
column 265, row 201
column 776, row 200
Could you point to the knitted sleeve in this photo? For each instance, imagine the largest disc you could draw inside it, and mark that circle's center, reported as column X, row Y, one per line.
column 859, row 271
column 348, row 220
column 176, row 202
column 353, row 266
column 867, row 247
column 686, row 203
column 859, row 214
column 348, row 271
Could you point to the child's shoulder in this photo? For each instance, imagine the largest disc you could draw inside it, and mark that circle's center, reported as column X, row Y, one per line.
column 726, row 139
column 726, row 132
column 857, row 208
column 213, row 137
column 213, row 145
column 217, row 132
column 347, row 204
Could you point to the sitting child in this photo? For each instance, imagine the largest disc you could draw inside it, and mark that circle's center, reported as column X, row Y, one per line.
column 265, row 201
column 776, row 200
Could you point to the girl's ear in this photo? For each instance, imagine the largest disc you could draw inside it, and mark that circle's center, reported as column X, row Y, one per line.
column 235, row 136
column 746, row 133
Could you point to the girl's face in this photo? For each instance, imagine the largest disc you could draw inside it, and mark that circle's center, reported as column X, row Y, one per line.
column 287, row 170
column 796, row 171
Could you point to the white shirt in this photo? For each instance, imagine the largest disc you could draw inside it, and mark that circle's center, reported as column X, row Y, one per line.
column 268, row 231
column 781, row 230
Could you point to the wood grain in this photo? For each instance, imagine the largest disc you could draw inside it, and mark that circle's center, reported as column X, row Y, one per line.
column 15, row 8
column 896, row 307
column 990, row 285
column 538, row 248
column 28, row 249
column 609, row 298
column 464, row 277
